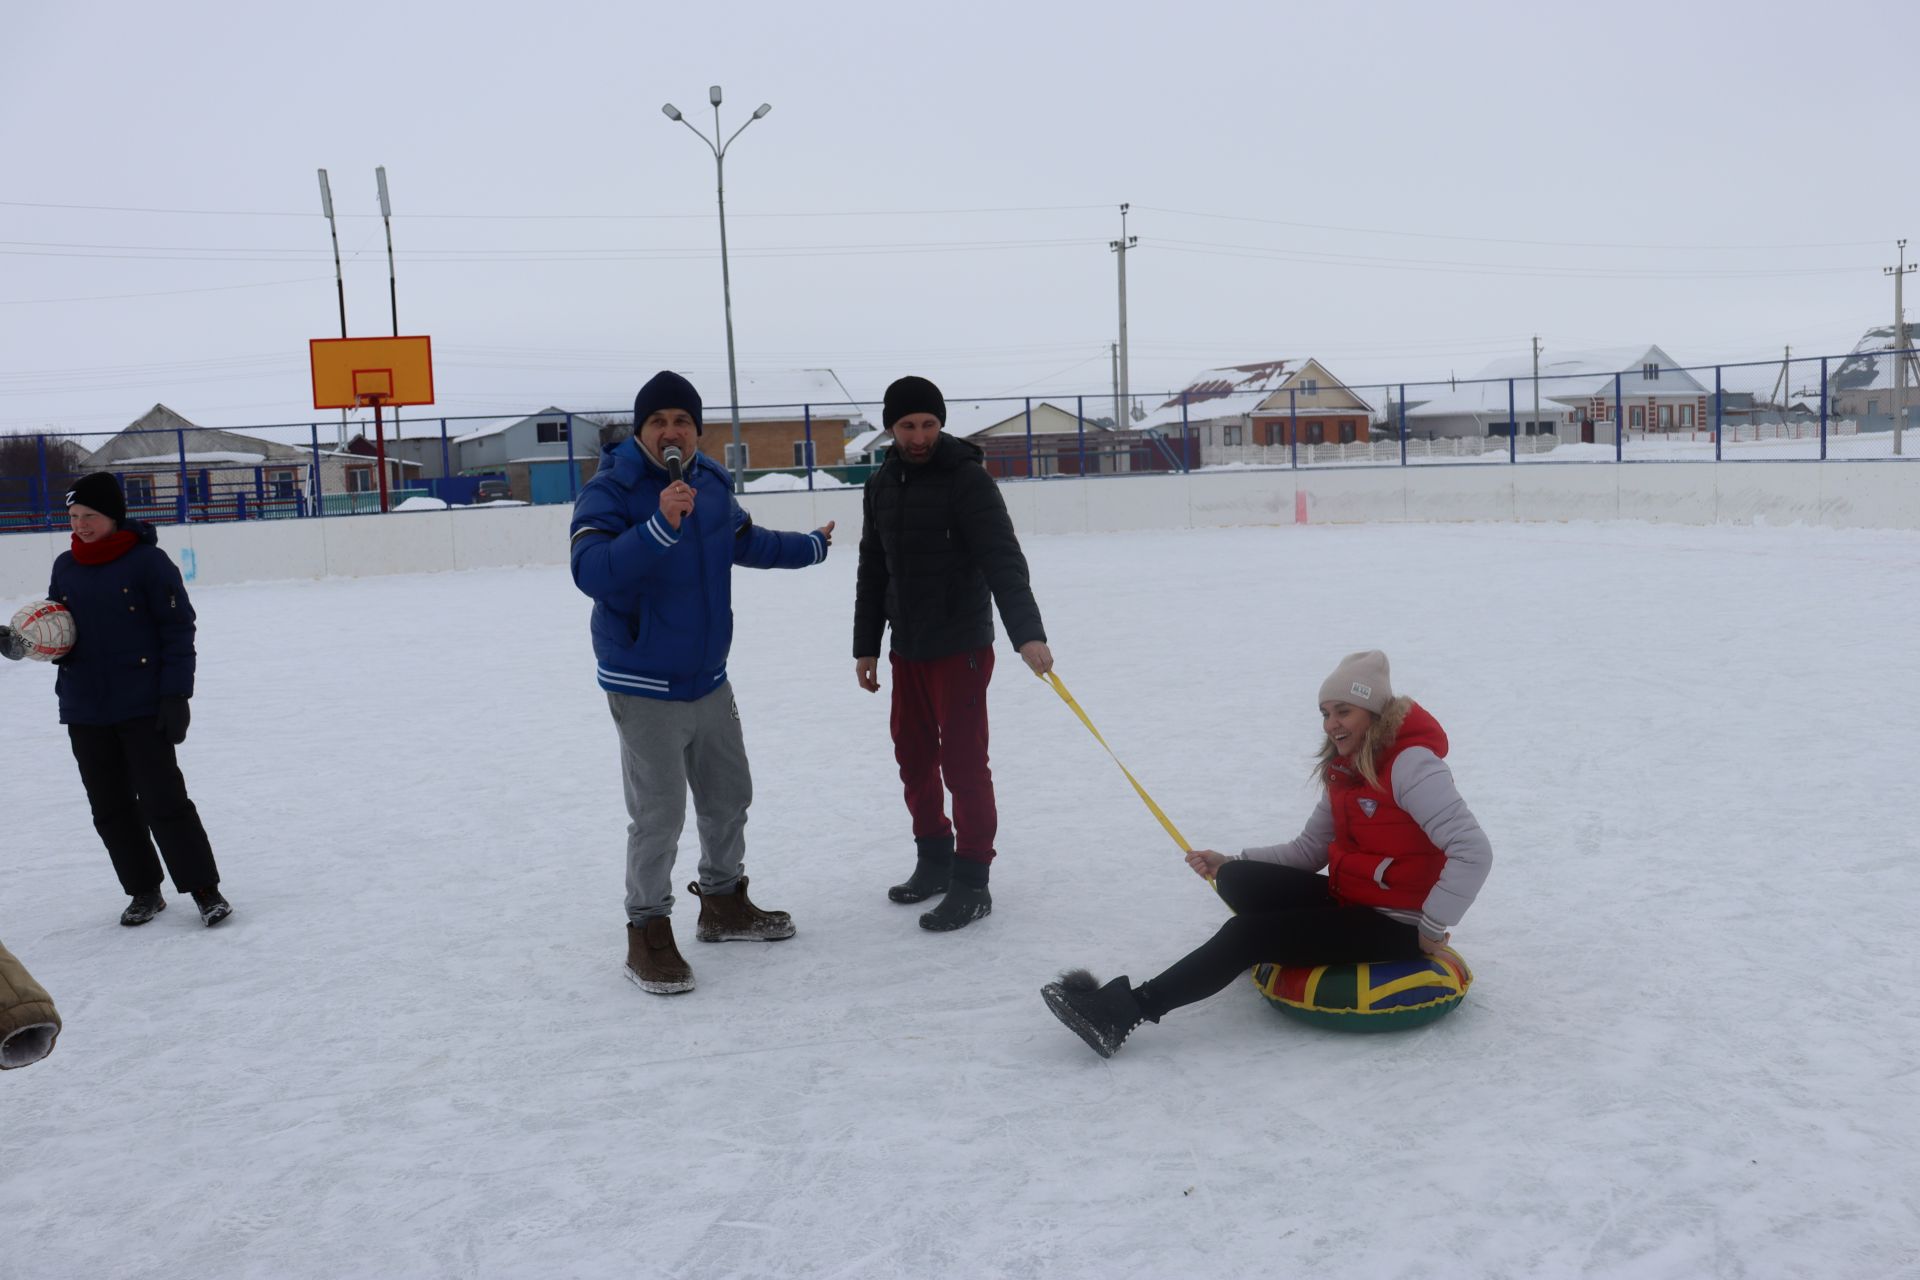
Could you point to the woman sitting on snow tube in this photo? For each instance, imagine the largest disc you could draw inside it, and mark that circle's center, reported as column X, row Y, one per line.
column 1403, row 853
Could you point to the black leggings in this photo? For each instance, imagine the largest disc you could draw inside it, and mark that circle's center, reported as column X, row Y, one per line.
column 1283, row 916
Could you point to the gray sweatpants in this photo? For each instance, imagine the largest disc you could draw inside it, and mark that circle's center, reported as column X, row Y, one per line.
column 665, row 749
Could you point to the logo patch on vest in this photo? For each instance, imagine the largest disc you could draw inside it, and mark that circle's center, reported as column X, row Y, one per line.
column 1364, row 692
column 1367, row 806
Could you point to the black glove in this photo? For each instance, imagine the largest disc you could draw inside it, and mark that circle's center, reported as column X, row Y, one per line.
column 172, row 719
column 13, row 645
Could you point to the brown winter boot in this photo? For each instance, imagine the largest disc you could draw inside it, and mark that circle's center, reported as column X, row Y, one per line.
column 732, row 917
column 653, row 962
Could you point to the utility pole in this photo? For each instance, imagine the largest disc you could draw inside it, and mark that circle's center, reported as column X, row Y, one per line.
column 1536, row 382
column 1782, row 388
column 1119, row 423
column 1120, row 246
column 1900, row 360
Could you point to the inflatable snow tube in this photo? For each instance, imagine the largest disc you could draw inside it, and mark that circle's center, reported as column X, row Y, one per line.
column 1387, row 996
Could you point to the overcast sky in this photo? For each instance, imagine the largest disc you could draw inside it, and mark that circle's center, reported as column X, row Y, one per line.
column 1403, row 190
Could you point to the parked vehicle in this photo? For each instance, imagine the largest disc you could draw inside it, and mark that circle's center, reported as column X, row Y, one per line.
column 492, row 491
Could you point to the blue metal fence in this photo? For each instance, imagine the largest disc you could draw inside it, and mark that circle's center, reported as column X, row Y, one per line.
column 1653, row 413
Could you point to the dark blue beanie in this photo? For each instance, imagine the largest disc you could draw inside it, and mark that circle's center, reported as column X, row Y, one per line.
column 665, row 390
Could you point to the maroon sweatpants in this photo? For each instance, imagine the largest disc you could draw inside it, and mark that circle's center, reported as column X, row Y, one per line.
column 940, row 739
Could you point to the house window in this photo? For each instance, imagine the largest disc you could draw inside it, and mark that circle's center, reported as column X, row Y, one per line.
column 281, row 483
column 1686, row 416
column 197, row 486
column 1637, row 417
column 803, row 453
column 1316, row 434
column 1873, row 407
column 1309, row 386
column 1666, row 417
column 737, row 456
column 1346, row 431
column 139, row 490
column 1235, row 435
column 359, row 479
column 551, row 431
column 1650, row 371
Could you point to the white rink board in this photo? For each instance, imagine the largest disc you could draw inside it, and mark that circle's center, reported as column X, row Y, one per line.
column 1883, row 495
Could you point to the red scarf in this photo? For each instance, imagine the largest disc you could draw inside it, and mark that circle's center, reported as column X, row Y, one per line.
column 111, row 547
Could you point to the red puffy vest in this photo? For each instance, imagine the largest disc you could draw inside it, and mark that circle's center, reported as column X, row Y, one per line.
column 1380, row 857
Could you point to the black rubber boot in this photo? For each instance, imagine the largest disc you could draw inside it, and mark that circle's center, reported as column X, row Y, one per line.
column 1102, row 1016
column 967, row 899
column 144, row 907
column 931, row 874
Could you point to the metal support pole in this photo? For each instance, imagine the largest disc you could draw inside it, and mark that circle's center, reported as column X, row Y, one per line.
column 380, row 453
column 1080, row 421
column 1513, row 428
column 1403, row 434
column 807, row 412
column 573, row 468
column 319, row 481
column 1293, row 428
column 1029, row 437
column 1184, row 430
column 1403, row 422
column 446, row 462
column 43, row 496
column 1718, row 411
column 1823, row 408
column 1619, row 420
column 180, row 490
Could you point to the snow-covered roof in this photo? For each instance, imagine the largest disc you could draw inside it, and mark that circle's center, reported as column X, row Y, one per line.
column 1870, row 366
column 220, row 457
column 971, row 418
column 861, row 443
column 548, row 414
column 1484, row 399
column 1580, row 374
column 1246, row 384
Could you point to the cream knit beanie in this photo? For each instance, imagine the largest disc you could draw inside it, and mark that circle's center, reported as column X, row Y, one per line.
column 1360, row 679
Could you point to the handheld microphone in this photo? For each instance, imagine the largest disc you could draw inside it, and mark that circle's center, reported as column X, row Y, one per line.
column 671, row 456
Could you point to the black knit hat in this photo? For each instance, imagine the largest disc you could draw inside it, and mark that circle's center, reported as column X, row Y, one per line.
column 912, row 395
column 666, row 390
column 101, row 492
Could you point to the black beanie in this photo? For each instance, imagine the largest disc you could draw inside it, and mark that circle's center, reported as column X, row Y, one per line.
column 101, row 492
column 665, row 390
column 912, row 395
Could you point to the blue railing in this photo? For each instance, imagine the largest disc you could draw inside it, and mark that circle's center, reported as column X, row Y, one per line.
column 1830, row 408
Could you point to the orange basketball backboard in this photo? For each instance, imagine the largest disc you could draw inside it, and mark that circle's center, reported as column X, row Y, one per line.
column 350, row 373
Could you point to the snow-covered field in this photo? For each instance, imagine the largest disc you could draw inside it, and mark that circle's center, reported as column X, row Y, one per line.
column 1692, row 1049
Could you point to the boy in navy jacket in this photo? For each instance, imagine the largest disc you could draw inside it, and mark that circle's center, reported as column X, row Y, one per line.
column 655, row 536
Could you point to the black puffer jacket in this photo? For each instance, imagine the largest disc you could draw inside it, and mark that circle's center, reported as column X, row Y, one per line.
column 937, row 540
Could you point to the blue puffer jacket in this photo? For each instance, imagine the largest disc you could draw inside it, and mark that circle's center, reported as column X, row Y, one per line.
column 663, row 600
column 133, row 633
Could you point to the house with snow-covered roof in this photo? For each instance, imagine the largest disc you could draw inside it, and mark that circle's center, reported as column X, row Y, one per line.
column 169, row 466
column 1233, row 408
column 1576, row 397
column 783, row 414
column 1863, row 387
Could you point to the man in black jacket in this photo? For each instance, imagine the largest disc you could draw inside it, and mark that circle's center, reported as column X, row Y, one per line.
column 936, row 543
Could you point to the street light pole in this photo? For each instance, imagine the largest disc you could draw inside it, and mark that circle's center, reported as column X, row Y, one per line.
column 719, row 149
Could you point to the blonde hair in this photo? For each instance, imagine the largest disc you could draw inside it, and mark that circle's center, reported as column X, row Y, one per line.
column 1381, row 732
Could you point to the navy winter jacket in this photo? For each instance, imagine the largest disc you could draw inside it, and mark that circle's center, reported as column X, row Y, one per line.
column 133, row 633
column 663, row 599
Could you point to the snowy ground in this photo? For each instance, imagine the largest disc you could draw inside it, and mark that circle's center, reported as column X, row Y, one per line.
column 1692, row 1049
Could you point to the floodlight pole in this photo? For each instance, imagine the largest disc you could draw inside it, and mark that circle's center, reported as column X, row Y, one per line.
column 726, row 277
column 339, row 280
column 393, row 288
column 379, row 449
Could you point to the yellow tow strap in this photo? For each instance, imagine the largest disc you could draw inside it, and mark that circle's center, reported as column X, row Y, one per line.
column 1060, row 688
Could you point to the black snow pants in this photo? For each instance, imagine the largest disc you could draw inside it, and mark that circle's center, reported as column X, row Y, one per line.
column 138, row 797
column 1283, row 916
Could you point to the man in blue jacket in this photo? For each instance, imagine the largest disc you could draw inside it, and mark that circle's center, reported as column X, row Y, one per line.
column 655, row 536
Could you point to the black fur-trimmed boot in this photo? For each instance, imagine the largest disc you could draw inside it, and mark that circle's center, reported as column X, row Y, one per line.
column 931, row 873
column 967, row 899
column 1102, row 1016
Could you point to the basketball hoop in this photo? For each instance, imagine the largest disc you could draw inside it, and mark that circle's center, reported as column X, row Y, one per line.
column 352, row 373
